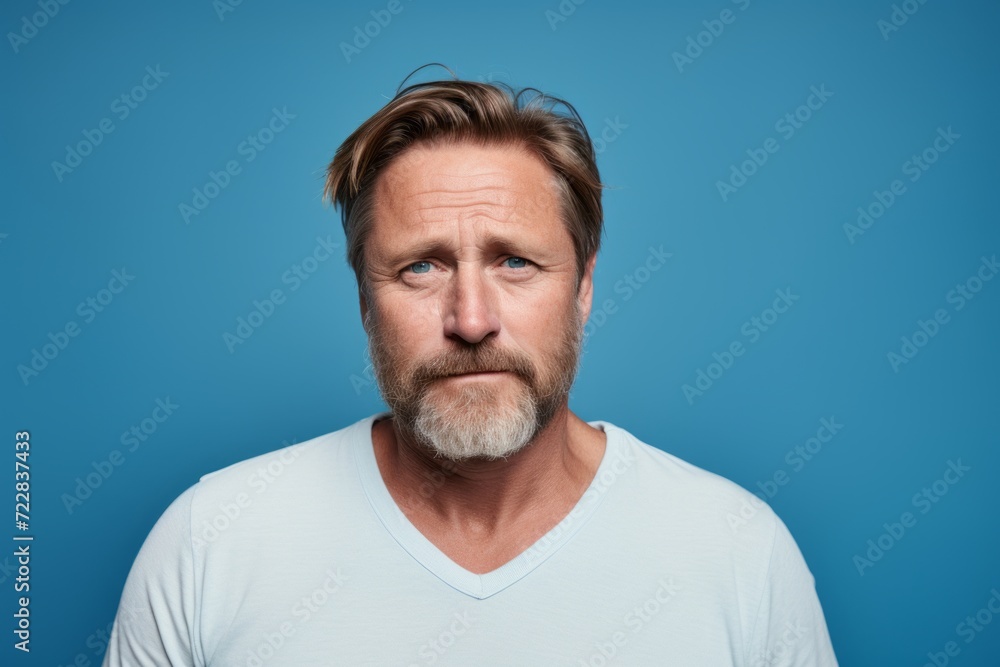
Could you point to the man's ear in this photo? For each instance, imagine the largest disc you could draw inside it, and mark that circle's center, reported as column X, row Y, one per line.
column 585, row 295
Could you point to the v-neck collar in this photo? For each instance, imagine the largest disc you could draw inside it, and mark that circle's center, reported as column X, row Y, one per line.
column 479, row 586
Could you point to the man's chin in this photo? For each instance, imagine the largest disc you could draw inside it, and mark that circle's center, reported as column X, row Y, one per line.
column 474, row 423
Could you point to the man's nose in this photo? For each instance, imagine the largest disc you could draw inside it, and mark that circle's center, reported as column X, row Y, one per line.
column 470, row 308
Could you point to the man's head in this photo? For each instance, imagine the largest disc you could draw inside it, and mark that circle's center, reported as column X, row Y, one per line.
column 473, row 221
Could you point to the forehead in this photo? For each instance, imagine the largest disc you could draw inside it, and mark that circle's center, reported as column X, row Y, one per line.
column 439, row 182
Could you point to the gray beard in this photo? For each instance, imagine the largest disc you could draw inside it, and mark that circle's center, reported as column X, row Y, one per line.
column 476, row 424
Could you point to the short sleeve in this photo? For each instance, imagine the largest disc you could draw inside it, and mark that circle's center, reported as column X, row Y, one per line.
column 790, row 629
column 156, row 616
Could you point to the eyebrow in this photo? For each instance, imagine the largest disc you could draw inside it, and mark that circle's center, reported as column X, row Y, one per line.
column 491, row 243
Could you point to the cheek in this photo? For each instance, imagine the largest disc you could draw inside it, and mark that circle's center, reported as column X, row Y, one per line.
column 410, row 330
column 540, row 327
column 540, row 298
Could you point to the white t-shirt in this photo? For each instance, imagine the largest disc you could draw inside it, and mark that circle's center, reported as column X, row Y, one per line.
column 301, row 557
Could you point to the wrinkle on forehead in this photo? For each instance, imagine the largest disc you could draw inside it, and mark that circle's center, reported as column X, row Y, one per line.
column 467, row 180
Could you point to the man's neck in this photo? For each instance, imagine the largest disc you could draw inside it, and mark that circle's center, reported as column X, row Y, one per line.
column 503, row 502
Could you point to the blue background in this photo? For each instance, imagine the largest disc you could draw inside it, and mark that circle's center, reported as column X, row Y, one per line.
column 679, row 130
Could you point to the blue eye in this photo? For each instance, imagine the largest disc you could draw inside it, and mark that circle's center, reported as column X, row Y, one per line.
column 420, row 267
column 516, row 262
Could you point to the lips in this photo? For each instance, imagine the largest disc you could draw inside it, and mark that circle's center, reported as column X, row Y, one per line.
column 476, row 373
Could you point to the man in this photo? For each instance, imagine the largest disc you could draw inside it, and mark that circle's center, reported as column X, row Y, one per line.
column 480, row 521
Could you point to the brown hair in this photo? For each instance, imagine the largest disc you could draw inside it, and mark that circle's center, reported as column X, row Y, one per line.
column 485, row 113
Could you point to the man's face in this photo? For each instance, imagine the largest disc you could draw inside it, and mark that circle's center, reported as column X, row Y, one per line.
column 474, row 320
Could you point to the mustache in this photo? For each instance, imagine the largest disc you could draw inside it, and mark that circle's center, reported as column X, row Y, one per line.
column 477, row 359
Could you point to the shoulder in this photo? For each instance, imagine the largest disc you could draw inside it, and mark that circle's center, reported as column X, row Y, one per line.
column 289, row 465
column 251, row 495
column 676, row 491
column 670, row 475
column 702, row 522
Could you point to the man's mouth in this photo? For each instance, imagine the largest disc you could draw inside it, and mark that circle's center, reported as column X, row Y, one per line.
column 476, row 374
